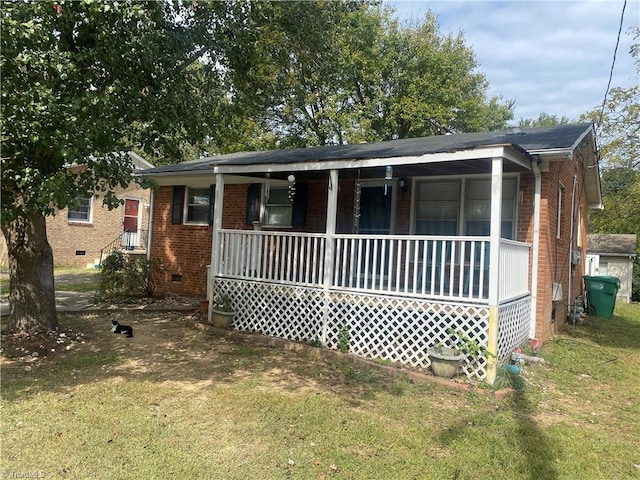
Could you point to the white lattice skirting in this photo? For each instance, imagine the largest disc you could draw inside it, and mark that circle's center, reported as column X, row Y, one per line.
column 513, row 326
column 380, row 327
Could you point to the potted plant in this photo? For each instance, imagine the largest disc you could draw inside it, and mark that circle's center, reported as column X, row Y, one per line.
column 222, row 312
column 446, row 357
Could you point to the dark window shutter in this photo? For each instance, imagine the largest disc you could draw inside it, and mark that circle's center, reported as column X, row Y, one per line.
column 253, row 203
column 212, row 195
column 176, row 205
column 299, row 213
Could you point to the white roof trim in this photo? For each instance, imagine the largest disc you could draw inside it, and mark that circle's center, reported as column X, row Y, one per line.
column 499, row 151
column 140, row 162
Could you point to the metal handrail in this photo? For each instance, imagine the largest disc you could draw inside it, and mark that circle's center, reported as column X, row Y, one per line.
column 126, row 241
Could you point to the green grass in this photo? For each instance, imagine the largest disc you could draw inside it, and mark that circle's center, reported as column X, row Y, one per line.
column 177, row 403
column 74, row 279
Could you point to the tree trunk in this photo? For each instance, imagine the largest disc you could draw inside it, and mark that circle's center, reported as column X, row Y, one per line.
column 32, row 303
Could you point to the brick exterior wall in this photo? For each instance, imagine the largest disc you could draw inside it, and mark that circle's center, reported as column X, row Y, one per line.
column 555, row 252
column 185, row 250
column 68, row 238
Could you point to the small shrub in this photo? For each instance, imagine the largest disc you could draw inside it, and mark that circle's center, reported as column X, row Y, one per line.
column 316, row 342
column 223, row 303
column 343, row 340
column 385, row 362
column 461, row 342
column 127, row 276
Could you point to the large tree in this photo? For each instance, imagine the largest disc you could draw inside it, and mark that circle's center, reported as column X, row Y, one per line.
column 345, row 72
column 618, row 129
column 82, row 82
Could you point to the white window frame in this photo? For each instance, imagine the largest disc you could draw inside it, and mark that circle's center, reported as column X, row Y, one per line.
column 559, row 212
column 188, row 205
column 89, row 213
column 264, row 206
column 463, row 179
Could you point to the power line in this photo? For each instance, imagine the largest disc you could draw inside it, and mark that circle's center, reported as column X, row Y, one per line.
column 615, row 52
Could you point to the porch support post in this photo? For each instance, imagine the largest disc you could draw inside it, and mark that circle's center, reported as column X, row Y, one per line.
column 492, row 345
column 494, row 267
column 215, row 240
column 332, row 209
column 496, row 220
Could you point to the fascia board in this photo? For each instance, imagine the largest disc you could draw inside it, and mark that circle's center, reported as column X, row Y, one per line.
column 500, row 151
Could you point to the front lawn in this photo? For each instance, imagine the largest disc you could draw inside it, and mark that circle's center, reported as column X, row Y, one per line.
column 173, row 402
column 69, row 279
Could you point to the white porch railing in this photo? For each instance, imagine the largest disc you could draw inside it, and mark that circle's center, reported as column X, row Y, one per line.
column 513, row 270
column 283, row 257
column 408, row 265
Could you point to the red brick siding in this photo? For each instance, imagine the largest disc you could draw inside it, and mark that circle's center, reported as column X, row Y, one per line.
column 185, row 250
column 554, row 253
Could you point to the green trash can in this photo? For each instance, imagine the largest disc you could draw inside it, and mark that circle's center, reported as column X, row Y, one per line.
column 601, row 294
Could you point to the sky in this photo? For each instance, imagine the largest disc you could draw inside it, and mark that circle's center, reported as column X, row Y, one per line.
column 548, row 56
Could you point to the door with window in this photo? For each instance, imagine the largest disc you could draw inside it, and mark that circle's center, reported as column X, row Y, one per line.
column 375, row 210
column 130, row 223
column 376, row 207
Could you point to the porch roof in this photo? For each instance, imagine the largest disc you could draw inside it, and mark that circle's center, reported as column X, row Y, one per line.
column 524, row 141
column 521, row 146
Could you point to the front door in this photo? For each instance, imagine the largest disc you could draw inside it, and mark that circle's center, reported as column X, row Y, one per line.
column 375, row 209
column 130, row 223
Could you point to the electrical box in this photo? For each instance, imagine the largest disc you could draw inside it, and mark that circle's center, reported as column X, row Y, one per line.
column 575, row 257
column 557, row 292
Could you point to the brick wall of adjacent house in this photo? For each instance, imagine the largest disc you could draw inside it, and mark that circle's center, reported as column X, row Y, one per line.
column 79, row 243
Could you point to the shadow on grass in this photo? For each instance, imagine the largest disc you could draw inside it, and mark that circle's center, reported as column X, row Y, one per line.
column 164, row 349
column 616, row 332
column 533, row 443
column 522, row 445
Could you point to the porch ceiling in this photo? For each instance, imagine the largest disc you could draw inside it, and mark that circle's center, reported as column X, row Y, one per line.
column 477, row 166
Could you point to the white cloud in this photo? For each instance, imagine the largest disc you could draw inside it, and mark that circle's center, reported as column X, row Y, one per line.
column 551, row 56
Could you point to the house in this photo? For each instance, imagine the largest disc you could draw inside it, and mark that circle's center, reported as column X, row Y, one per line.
column 613, row 255
column 78, row 236
column 392, row 242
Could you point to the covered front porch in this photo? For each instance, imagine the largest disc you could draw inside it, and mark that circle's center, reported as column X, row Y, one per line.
column 394, row 295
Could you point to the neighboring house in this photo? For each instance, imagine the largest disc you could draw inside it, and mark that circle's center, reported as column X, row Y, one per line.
column 78, row 236
column 394, row 242
column 613, row 255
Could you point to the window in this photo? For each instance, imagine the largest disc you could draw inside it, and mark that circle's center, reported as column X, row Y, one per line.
column 463, row 207
column 559, row 212
column 198, row 201
column 81, row 211
column 438, row 207
column 282, row 208
column 278, row 208
column 478, row 207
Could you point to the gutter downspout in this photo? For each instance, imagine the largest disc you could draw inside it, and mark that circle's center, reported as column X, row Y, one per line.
column 535, row 254
column 150, row 225
column 571, row 269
